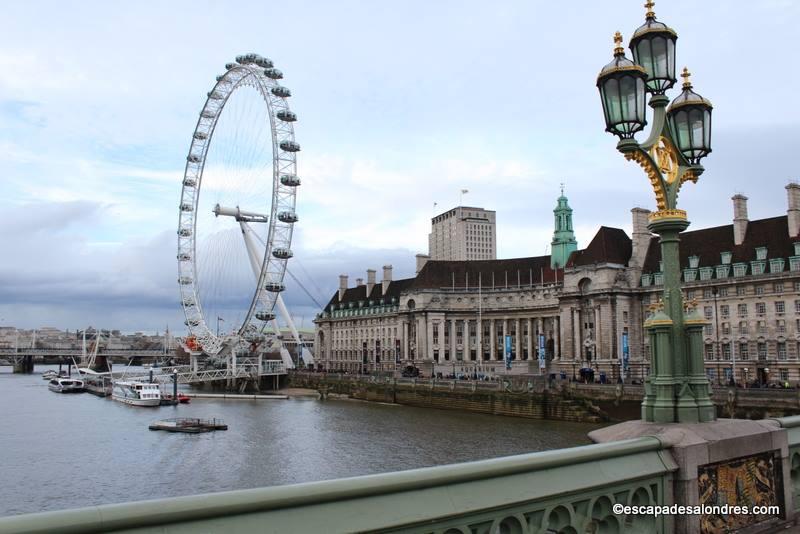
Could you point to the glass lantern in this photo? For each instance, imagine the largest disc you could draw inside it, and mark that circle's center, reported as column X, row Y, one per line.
column 689, row 117
column 653, row 47
column 622, row 92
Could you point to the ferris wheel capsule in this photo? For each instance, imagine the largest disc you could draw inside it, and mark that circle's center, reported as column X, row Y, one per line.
column 189, row 182
column 229, row 66
column 289, row 146
column 282, row 253
column 185, row 232
column 286, row 116
column 290, row 180
column 287, row 217
column 274, row 287
column 273, row 74
column 185, row 280
column 183, row 256
column 265, row 316
column 264, row 63
column 200, row 136
column 186, row 207
column 281, row 91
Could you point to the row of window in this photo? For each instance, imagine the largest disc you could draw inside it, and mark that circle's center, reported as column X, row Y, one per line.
column 757, row 267
column 744, row 329
column 741, row 309
column 743, row 351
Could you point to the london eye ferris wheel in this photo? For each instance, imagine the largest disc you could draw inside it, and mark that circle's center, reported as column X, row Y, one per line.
column 234, row 239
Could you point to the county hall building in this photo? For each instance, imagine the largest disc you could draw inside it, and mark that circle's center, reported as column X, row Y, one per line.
column 577, row 308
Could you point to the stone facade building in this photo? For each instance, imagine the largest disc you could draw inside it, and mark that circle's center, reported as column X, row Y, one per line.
column 459, row 316
column 463, row 233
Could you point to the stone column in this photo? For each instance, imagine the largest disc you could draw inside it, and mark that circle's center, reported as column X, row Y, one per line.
column 425, row 349
column 530, row 338
column 596, row 320
column 557, row 338
column 404, row 340
column 577, row 336
column 453, row 348
column 518, row 340
column 466, row 340
column 492, row 338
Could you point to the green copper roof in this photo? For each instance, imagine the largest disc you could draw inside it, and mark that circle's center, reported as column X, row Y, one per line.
column 564, row 242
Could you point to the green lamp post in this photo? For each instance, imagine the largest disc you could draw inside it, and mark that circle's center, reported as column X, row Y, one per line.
column 677, row 389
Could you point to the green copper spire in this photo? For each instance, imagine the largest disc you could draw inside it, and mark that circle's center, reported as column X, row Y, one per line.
column 564, row 242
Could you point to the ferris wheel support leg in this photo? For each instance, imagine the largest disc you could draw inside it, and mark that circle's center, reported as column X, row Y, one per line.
column 253, row 254
column 252, row 250
column 302, row 351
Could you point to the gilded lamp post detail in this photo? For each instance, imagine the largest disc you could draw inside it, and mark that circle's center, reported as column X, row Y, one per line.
column 677, row 389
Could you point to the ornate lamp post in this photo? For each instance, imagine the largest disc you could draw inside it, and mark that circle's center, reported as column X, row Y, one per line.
column 677, row 389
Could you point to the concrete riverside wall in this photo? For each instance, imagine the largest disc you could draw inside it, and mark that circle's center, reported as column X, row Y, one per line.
column 532, row 397
column 517, row 398
column 566, row 490
column 622, row 402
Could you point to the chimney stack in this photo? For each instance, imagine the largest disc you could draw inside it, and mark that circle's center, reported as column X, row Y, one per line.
column 370, row 281
column 641, row 236
column 793, row 213
column 739, row 218
column 387, row 278
column 422, row 259
column 342, row 286
column 359, row 282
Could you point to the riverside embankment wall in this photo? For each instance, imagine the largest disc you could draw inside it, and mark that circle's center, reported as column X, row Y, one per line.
column 532, row 397
column 518, row 398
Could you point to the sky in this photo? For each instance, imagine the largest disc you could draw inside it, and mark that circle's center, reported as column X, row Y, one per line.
column 401, row 105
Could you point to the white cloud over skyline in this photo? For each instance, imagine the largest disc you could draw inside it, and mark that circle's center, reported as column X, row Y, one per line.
column 400, row 107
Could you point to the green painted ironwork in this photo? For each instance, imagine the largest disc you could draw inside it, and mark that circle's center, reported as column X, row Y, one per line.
column 567, row 490
column 677, row 389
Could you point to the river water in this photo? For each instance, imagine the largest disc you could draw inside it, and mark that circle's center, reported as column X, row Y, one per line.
column 65, row 451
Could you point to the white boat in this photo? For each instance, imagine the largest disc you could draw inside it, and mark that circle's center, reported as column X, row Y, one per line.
column 65, row 385
column 136, row 393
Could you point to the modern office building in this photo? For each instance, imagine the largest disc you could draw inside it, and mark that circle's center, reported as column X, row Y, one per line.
column 463, row 233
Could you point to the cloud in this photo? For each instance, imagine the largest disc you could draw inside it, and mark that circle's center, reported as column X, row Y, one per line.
column 93, row 139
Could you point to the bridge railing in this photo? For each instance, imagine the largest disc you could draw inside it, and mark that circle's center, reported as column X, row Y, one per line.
column 566, row 490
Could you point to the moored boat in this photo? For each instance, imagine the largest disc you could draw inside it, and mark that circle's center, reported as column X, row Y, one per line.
column 136, row 393
column 51, row 374
column 65, row 385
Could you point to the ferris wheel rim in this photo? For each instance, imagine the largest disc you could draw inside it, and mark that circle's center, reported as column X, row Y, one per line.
column 259, row 73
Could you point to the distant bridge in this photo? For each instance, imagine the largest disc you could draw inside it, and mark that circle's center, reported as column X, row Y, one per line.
column 77, row 353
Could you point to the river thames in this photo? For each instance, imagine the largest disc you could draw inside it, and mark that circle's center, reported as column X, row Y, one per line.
column 66, row 451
